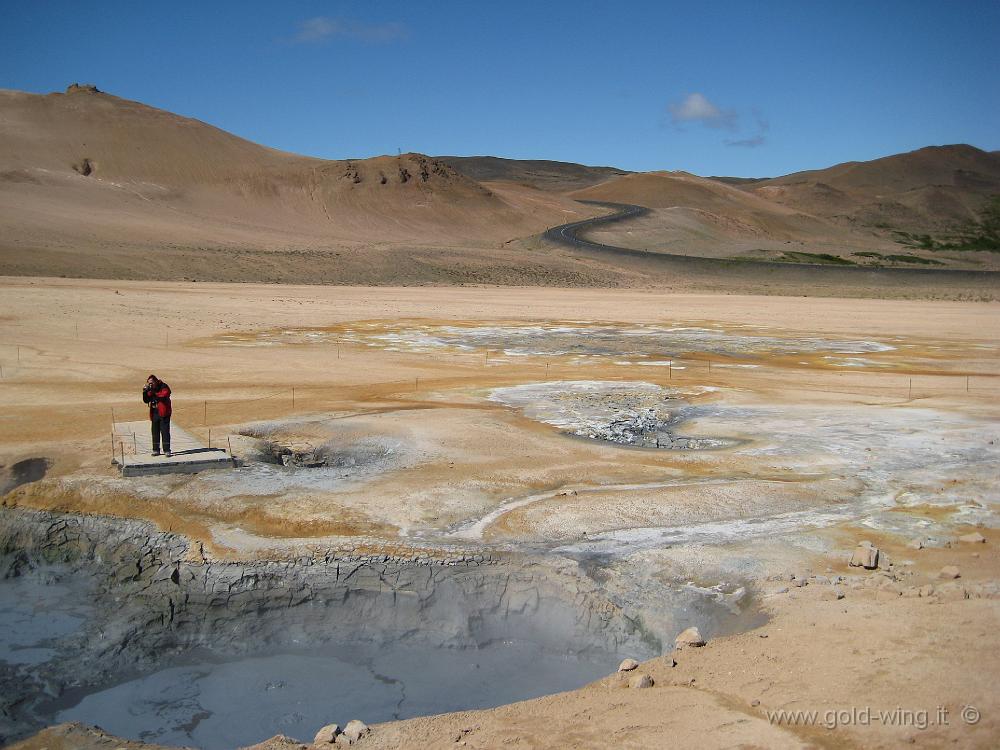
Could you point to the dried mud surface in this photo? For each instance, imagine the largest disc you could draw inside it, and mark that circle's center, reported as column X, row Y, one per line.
column 664, row 460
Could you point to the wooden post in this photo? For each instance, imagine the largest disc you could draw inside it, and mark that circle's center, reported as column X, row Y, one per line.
column 113, row 422
column 112, row 446
column 909, row 393
column 121, row 446
column 205, row 418
column 670, row 369
column 209, row 437
column 230, row 444
column 135, row 444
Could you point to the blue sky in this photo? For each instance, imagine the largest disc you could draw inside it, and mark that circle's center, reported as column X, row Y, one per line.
column 733, row 88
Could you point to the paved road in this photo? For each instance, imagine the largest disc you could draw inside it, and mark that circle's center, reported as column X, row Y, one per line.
column 569, row 234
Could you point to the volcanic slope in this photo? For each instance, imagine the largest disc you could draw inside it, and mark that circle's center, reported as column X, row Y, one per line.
column 928, row 189
column 701, row 216
column 554, row 176
column 86, row 173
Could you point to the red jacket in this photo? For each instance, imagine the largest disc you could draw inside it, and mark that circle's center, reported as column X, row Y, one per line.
column 158, row 398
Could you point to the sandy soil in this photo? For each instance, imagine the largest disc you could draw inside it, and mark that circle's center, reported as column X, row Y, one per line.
column 433, row 455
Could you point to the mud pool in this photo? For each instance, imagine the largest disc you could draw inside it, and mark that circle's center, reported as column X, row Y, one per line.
column 628, row 413
column 646, row 344
column 221, row 705
column 109, row 622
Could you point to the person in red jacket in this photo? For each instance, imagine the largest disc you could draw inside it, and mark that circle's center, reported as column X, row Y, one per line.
column 156, row 394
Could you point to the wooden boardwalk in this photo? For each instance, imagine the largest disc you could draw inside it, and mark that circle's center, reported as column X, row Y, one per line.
column 134, row 452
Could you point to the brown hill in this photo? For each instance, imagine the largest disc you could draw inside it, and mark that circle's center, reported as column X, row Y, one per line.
column 85, row 170
column 556, row 176
column 691, row 206
column 928, row 189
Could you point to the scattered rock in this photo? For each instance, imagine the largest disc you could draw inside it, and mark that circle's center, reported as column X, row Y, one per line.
column 641, row 681
column 355, row 730
column 669, row 661
column 949, row 572
column 327, row 735
column 832, row 594
column 952, row 592
column 915, row 544
column 755, row 703
column 628, row 665
column 689, row 637
column 782, row 590
column 84, row 167
column 973, row 538
column 865, row 556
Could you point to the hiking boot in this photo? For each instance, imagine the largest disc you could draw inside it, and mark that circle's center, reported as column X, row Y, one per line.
column 156, row 453
column 169, row 454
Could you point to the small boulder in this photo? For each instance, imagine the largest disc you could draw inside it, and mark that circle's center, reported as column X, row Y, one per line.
column 327, row 735
column 973, row 538
column 689, row 637
column 355, row 730
column 640, row 681
column 949, row 572
column 917, row 543
column 628, row 665
column 865, row 555
column 950, row 592
column 832, row 594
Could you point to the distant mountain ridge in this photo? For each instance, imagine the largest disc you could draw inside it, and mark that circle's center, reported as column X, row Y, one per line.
column 111, row 168
column 927, row 189
column 92, row 184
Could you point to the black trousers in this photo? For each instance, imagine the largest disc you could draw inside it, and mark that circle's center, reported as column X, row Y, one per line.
column 161, row 430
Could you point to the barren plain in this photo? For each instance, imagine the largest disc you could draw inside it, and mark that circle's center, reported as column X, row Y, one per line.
column 518, row 488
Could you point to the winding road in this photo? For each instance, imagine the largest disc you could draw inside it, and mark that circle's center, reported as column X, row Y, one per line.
column 569, row 235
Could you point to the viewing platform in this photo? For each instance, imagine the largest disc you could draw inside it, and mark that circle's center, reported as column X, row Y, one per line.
column 134, row 453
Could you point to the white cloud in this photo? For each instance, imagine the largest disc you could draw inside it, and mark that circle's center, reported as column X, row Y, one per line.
column 321, row 29
column 752, row 142
column 696, row 108
column 759, row 138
